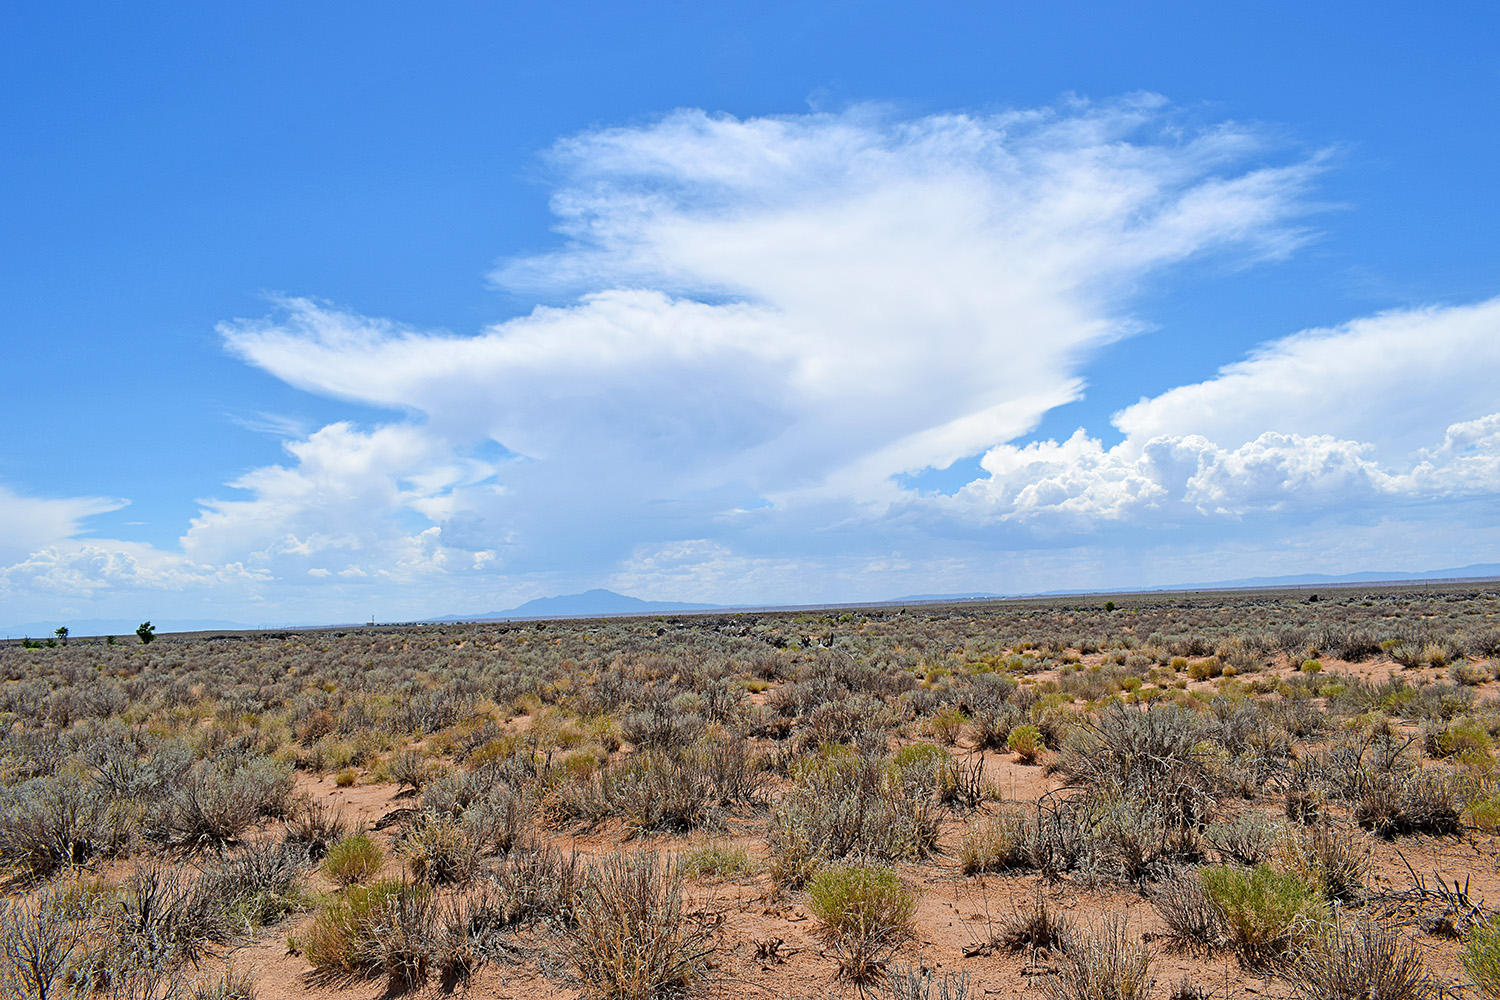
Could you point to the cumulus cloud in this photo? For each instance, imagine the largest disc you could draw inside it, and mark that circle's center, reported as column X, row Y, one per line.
column 1394, row 380
column 791, row 310
column 1392, row 408
column 753, row 327
column 350, row 498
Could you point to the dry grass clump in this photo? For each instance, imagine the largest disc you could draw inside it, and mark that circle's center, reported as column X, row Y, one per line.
column 536, row 884
column 1247, row 839
column 1191, row 916
column 994, row 844
column 1108, row 963
column 1358, row 960
column 716, row 860
column 219, row 800
column 315, row 825
column 1332, row 858
column 230, row 984
column 633, row 939
column 864, row 913
column 37, row 944
column 669, row 788
column 912, row 982
column 439, row 851
column 387, row 926
column 1036, row 927
column 259, row 883
column 1402, row 803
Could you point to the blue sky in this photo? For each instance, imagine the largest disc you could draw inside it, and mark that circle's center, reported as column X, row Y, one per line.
column 828, row 290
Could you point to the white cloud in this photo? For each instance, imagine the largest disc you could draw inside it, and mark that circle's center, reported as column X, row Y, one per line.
column 801, row 308
column 1392, row 408
column 1394, row 380
column 757, row 324
column 89, row 567
column 29, row 523
column 351, row 497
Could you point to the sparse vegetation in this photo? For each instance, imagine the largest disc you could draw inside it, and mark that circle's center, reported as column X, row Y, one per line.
column 864, row 912
column 633, row 940
column 353, row 860
column 410, row 804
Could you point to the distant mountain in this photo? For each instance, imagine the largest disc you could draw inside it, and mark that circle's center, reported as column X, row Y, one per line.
column 940, row 598
column 81, row 627
column 1478, row 571
column 584, row 605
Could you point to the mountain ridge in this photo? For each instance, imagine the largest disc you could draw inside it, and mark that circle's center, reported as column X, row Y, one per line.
column 599, row 602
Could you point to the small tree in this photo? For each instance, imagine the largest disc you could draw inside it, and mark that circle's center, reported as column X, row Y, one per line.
column 62, row 634
column 146, row 631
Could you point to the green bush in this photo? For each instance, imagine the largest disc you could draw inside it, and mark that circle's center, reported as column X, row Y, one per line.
column 1025, row 742
column 1264, row 911
column 353, row 860
column 1481, row 957
column 864, row 913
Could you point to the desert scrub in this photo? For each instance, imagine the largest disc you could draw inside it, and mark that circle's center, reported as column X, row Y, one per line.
column 219, row 800
column 38, row 937
column 841, row 804
column 355, row 859
column 1264, row 911
column 439, row 850
column 51, row 822
column 1398, row 803
column 994, row 844
column 632, row 939
column 1332, row 858
column 258, row 884
column 356, row 934
column 1358, row 960
column 716, row 860
column 1481, row 957
column 1246, row 839
column 947, row 726
column 1153, row 757
column 1026, row 743
column 927, row 769
column 864, row 913
column 1107, row 963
